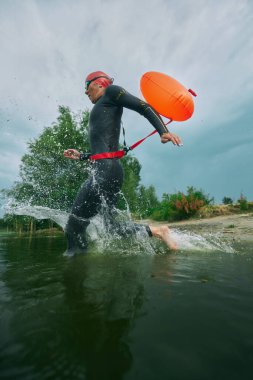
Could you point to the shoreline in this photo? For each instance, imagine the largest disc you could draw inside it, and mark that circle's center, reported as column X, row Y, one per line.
column 235, row 227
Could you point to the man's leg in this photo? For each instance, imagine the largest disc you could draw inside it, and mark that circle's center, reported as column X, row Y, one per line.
column 163, row 233
column 127, row 229
column 85, row 207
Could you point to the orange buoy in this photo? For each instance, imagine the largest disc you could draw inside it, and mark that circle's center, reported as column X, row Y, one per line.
column 167, row 96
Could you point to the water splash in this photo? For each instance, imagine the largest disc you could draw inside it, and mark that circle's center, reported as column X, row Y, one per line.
column 109, row 237
column 98, row 233
column 188, row 240
column 105, row 241
column 40, row 212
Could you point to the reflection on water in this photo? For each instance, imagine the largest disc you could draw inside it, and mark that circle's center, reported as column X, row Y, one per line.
column 181, row 316
column 68, row 317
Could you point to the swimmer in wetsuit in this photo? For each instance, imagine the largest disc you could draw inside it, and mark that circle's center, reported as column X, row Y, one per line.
column 105, row 183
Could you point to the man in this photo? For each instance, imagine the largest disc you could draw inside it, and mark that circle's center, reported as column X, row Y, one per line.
column 103, row 186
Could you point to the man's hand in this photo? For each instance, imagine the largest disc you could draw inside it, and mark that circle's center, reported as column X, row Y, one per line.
column 166, row 137
column 72, row 153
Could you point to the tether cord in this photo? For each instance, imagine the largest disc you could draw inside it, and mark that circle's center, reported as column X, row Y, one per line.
column 119, row 153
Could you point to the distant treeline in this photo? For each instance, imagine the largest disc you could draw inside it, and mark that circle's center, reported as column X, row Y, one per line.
column 21, row 224
column 48, row 179
column 173, row 207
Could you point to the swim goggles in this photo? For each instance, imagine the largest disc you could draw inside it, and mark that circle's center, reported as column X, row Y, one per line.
column 88, row 82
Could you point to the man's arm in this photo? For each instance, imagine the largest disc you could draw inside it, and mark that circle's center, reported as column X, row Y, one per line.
column 122, row 98
column 72, row 153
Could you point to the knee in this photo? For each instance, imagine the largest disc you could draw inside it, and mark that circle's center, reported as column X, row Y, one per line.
column 75, row 224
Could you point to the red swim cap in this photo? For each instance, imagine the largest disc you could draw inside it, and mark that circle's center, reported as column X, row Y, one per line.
column 99, row 77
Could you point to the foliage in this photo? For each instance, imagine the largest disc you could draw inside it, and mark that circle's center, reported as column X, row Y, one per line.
column 132, row 168
column 243, row 203
column 180, row 206
column 227, row 201
column 210, row 211
column 21, row 223
column 162, row 211
column 147, row 201
column 48, row 179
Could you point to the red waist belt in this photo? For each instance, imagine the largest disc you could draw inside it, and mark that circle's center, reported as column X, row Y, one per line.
column 117, row 154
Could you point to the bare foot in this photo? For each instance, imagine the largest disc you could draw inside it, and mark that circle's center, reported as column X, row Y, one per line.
column 163, row 233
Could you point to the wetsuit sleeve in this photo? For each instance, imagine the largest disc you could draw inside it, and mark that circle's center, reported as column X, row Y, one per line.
column 122, row 98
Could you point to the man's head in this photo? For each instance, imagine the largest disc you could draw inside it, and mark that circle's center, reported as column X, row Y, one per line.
column 95, row 85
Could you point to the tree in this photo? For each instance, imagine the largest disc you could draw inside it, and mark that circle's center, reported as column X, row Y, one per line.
column 243, row 203
column 48, row 179
column 227, row 201
column 22, row 223
column 147, row 201
column 132, row 168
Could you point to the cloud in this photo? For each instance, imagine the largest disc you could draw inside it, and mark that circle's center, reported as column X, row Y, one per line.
column 9, row 166
column 48, row 47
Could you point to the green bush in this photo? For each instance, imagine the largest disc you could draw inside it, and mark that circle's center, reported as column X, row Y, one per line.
column 180, row 206
column 227, row 201
column 243, row 203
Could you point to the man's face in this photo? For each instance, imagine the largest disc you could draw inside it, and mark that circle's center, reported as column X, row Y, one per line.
column 94, row 92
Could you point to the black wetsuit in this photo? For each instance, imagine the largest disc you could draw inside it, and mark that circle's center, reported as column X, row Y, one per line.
column 104, row 185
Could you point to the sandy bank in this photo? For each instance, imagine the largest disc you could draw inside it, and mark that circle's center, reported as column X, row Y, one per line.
column 235, row 227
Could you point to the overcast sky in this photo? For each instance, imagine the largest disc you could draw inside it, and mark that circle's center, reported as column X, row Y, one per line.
column 48, row 46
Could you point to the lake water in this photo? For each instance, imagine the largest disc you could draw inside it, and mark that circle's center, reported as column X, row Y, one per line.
column 133, row 314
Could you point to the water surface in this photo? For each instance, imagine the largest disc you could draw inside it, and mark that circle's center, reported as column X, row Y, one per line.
column 124, row 315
